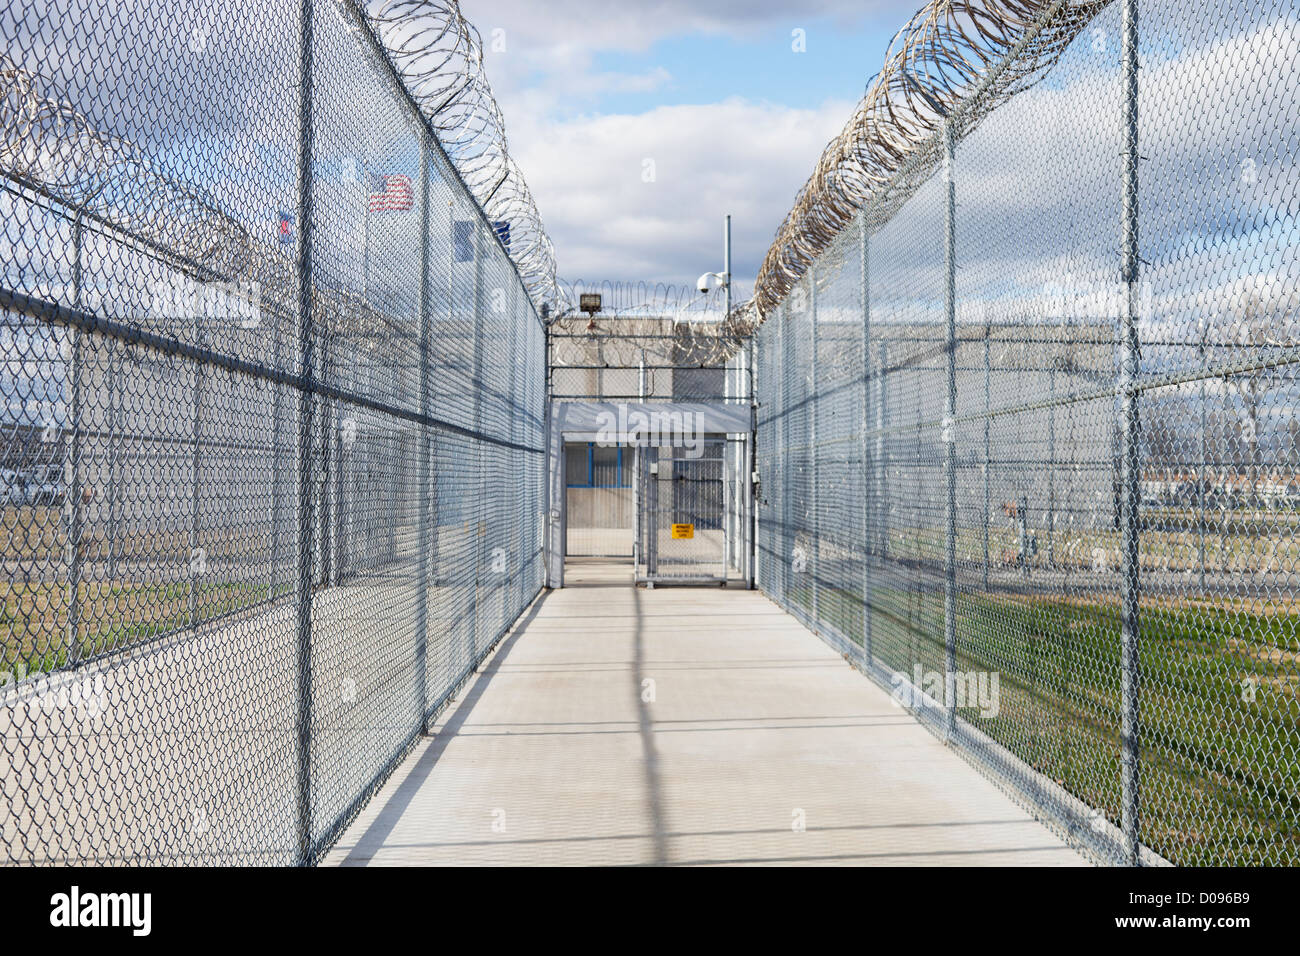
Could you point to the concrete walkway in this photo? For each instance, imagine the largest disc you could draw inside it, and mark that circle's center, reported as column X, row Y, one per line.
column 617, row 725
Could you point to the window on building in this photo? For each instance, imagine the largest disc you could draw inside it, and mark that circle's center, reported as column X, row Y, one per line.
column 588, row 465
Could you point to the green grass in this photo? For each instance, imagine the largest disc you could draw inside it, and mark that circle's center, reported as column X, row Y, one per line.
column 1219, row 705
column 34, row 617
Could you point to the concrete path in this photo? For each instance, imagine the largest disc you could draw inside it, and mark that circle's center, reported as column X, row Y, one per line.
column 617, row 725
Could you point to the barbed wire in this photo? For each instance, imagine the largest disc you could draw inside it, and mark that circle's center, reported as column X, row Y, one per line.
column 51, row 149
column 703, row 334
column 941, row 58
column 50, row 145
column 641, row 299
column 439, row 55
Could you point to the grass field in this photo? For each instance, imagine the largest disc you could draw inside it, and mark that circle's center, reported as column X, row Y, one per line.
column 34, row 617
column 1219, row 706
column 114, row 613
column 1230, row 548
column 35, row 535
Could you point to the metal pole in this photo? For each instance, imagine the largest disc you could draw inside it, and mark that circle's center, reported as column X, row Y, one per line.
column 307, row 371
column 637, row 550
column 752, row 365
column 277, row 492
column 330, row 424
column 343, row 454
column 196, row 488
column 76, row 515
column 516, row 515
column 726, row 264
column 638, row 496
column 652, row 526
column 730, row 519
column 814, row 562
column 868, row 479
column 476, row 384
column 882, row 453
column 116, row 402
column 423, row 504
column 786, row 540
column 745, row 461
column 736, row 494
column 728, row 523
column 1130, row 499
column 1200, row 474
column 949, row 437
column 335, row 465
column 1051, row 465
column 988, row 464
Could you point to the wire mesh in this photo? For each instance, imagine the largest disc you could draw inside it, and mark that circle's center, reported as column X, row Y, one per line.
column 272, row 443
column 646, row 357
column 685, row 527
column 948, row 435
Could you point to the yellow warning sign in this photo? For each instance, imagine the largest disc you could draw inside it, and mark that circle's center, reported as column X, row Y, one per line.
column 683, row 531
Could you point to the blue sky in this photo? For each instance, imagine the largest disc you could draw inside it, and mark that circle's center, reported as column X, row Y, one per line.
column 709, row 67
column 713, row 95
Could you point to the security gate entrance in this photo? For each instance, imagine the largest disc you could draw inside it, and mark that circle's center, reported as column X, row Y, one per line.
column 674, row 463
column 688, row 530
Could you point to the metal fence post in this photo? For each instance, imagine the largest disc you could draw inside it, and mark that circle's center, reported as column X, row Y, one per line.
column 988, row 463
column 814, row 470
column 332, row 499
column 477, row 423
column 751, row 490
column 882, row 452
column 116, row 400
column 949, row 435
column 780, row 453
column 1051, row 464
column 76, row 503
column 306, row 399
column 1200, row 472
column 196, row 462
column 513, row 590
column 727, row 518
column 784, row 540
column 1130, row 497
column 423, row 504
column 868, row 463
column 638, row 462
column 277, row 490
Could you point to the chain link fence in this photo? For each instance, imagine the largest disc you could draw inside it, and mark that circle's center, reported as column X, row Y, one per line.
column 273, row 430
column 1035, row 410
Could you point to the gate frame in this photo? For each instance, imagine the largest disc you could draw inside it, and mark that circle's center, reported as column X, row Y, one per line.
column 584, row 421
column 643, row 482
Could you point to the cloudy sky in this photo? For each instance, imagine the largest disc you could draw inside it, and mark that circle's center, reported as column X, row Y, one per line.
column 709, row 100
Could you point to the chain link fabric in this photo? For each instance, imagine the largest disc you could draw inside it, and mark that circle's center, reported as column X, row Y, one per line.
column 272, row 437
column 988, row 533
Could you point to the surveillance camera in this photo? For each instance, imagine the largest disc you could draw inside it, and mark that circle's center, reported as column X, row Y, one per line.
column 702, row 283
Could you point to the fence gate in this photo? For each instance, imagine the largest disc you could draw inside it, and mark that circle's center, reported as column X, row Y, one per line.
column 686, row 531
column 599, row 510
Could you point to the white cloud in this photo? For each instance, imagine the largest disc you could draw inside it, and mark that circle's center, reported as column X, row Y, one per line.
column 737, row 157
column 584, row 168
column 574, row 28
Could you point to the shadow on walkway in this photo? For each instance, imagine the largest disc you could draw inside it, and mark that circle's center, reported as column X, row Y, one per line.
column 377, row 833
